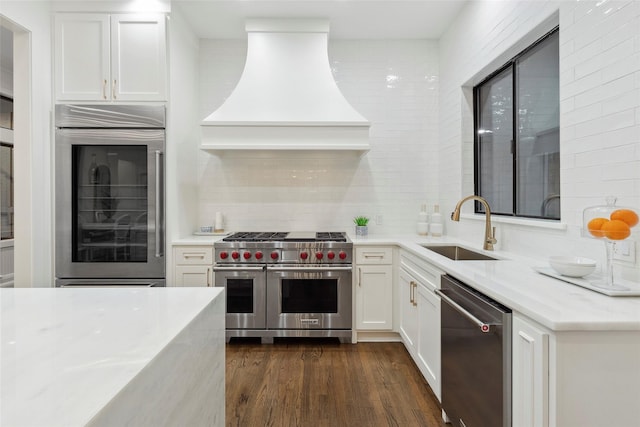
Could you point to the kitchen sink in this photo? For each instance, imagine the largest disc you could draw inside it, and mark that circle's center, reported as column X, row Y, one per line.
column 458, row 253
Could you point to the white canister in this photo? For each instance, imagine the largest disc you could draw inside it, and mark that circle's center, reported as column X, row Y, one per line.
column 436, row 222
column 423, row 221
column 423, row 228
column 218, row 223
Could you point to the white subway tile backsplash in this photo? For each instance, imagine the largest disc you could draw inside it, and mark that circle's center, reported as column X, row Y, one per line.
column 422, row 135
column 599, row 111
column 392, row 83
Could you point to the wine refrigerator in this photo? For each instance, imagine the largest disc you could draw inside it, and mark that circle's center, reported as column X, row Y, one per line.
column 109, row 195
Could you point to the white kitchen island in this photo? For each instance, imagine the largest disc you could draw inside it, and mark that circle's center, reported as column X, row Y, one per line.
column 122, row 356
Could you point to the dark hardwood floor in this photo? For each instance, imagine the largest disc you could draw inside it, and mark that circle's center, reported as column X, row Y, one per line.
column 323, row 383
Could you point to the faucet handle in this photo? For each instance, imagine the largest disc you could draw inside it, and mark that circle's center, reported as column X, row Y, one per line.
column 492, row 239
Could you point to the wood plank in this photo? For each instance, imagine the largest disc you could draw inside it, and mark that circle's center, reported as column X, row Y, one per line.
column 318, row 382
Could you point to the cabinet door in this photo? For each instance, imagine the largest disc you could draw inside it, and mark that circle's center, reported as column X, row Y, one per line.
column 374, row 297
column 192, row 275
column 429, row 337
column 138, row 61
column 82, row 57
column 530, row 375
column 408, row 311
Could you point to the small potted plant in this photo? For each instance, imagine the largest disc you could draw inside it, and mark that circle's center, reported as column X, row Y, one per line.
column 361, row 225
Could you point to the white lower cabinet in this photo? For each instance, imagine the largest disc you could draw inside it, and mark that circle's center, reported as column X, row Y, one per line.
column 420, row 316
column 374, row 288
column 530, row 374
column 374, row 294
column 193, row 266
column 429, row 337
column 408, row 312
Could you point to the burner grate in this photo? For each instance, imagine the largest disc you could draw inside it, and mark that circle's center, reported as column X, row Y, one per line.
column 331, row 237
column 257, row 236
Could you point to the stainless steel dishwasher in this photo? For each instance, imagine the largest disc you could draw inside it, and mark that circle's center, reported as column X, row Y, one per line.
column 476, row 357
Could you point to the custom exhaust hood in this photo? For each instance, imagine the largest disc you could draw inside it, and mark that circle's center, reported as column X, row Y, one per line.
column 286, row 98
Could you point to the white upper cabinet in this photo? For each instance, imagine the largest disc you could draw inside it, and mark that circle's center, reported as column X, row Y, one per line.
column 101, row 57
column 138, row 57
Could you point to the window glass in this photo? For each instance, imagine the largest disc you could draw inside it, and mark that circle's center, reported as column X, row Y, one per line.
column 6, row 112
column 6, row 191
column 538, row 160
column 517, row 146
column 495, row 137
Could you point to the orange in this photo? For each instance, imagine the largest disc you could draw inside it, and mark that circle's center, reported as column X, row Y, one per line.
column 595, row 226
column 616, row 229
column 625, row 215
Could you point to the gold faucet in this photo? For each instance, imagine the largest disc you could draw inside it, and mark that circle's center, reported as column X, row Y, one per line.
column 489, row 232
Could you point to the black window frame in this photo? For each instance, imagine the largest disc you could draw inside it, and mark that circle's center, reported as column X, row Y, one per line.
column 511, row 64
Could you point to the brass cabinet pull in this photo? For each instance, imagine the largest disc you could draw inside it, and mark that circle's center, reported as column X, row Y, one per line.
column 113, row 89
column 415, row 287
column 359, row 277
column 104, row 89
column 411, row 292
column 208, row 276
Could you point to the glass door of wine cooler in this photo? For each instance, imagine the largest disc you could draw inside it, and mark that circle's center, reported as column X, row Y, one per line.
column 109, row 211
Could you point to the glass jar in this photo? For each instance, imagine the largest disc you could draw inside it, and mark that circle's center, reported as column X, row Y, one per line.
column 609, row 223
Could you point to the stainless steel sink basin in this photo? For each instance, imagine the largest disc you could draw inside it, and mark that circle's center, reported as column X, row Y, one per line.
column 458, row 253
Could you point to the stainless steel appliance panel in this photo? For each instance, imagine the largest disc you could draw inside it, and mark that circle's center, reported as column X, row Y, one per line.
column 109, row 191
column 110, row 116
column 476, row 357
column 107, row 283
column 307, row 297
column 245, row 293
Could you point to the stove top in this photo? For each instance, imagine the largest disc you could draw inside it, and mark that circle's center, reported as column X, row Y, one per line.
column 294, row 236
column 296, row 247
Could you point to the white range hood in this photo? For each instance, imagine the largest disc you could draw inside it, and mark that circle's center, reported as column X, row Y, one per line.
column 286, row 98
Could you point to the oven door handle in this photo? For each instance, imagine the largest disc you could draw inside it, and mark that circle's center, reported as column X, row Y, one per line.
column 243, row 268
column 309, row 269
column 484, row 327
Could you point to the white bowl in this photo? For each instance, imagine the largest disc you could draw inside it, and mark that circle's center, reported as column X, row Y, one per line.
column 572, row 266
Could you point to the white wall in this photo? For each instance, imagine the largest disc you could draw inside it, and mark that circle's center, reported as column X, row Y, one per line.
column 32, row 139
column 600, row 111
column 394, row 84
column 183, row 120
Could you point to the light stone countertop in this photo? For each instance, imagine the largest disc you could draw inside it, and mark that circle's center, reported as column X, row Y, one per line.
column 66, row 353
column 512, row 281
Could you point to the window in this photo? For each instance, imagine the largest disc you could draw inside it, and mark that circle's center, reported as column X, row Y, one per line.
column 6, row 191
column 517, row 137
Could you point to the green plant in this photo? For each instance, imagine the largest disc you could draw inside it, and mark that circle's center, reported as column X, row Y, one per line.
column 361, row 221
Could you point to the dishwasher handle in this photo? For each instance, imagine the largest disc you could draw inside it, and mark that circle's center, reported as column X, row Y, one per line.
column 484, row 327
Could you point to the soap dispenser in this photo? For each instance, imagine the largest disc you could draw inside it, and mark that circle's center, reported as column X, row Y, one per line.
column 423, row 221
column 436, row 222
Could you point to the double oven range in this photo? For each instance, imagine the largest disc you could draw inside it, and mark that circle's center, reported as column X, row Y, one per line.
column 286, row 284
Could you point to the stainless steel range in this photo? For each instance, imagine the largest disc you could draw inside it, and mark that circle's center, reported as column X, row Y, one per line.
column 286, row 284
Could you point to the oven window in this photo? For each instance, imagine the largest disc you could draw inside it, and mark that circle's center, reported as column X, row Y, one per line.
column 239, row 295
column 309, row 295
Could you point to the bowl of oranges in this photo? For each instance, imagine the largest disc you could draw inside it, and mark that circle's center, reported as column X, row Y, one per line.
column 610, row 222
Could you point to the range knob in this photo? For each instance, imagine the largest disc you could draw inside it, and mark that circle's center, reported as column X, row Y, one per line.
column 304, row 255
column 235, row 255
column 342, row 254
column 274, row 255
column 319, row 255
column 224, row 255
column 246, row 255
column 258, row 255
column 331, row 255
